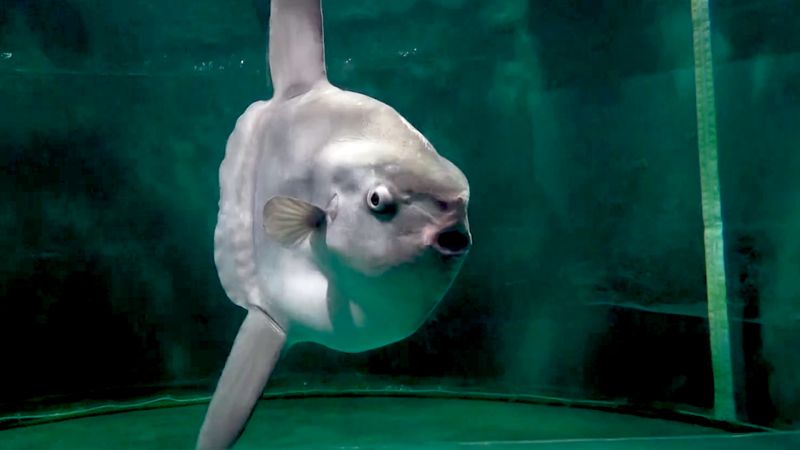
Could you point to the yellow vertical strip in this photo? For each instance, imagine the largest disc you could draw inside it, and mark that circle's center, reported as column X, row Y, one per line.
column 724, row 403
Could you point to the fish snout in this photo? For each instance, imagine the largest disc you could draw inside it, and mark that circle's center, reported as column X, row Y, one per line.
column 454, row 240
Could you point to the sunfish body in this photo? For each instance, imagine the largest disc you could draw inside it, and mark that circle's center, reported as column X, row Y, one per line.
column 338, row 223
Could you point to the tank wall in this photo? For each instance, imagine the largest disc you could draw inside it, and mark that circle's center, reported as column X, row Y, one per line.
column 575, row 125
column 758, row 63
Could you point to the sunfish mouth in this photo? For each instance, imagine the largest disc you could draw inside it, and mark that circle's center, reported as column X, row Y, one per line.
column 454, row 240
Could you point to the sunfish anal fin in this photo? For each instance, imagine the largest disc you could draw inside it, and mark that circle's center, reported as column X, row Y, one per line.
column 255, row 351
column 289, row 220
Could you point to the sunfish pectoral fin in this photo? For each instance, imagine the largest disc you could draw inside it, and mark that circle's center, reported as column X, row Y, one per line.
column 296, row 48
column 255, row 351
column 289, row 220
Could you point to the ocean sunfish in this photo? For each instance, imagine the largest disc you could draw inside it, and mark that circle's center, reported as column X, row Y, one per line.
column 338, row 222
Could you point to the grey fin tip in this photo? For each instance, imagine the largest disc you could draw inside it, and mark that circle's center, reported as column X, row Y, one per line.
column 255, row 351
column 296, row 46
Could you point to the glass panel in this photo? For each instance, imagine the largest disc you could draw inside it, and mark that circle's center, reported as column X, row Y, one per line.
column 757, row 67
column 575, row 123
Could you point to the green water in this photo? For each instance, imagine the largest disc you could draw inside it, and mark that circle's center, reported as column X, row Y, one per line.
column 575, row 122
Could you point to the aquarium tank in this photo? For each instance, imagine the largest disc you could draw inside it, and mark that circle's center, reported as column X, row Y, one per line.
column 634, row 276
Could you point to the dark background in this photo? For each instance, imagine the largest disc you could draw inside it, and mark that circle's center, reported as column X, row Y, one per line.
column 574, row 121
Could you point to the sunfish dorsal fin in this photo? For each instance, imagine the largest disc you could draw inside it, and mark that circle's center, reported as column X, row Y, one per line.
column 296, row 47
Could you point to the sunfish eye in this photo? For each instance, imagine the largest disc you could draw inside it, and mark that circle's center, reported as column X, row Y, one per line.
column 380, row 199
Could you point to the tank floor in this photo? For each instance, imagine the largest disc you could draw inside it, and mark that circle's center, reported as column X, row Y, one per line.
column 391, row 423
